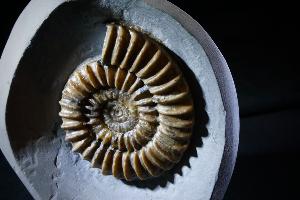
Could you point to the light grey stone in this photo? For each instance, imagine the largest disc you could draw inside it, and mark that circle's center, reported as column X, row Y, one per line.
column 49, row 40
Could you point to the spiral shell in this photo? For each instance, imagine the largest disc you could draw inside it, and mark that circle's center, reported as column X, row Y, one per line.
column 131, row 115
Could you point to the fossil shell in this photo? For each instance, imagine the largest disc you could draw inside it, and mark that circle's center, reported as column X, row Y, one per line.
column 131, row 115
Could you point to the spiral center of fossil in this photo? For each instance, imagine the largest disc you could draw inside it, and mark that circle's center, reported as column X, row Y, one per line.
column 120, row 115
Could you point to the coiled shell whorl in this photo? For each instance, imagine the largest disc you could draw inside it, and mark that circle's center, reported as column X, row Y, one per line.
column 130, row 114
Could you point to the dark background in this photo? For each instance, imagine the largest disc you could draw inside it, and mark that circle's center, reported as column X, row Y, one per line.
column 260, row 43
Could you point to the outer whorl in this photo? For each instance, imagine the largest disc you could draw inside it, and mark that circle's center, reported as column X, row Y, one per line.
column 131, row 114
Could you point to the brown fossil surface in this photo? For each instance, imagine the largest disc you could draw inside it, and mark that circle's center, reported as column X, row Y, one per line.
column 130, row 114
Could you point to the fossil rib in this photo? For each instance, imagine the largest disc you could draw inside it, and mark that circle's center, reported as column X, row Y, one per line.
column 131, row 115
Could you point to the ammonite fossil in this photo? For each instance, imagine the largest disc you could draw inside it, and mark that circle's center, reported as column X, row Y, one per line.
column 130, row 114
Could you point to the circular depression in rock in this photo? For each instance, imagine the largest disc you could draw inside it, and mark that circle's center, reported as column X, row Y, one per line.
column 73, row 34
